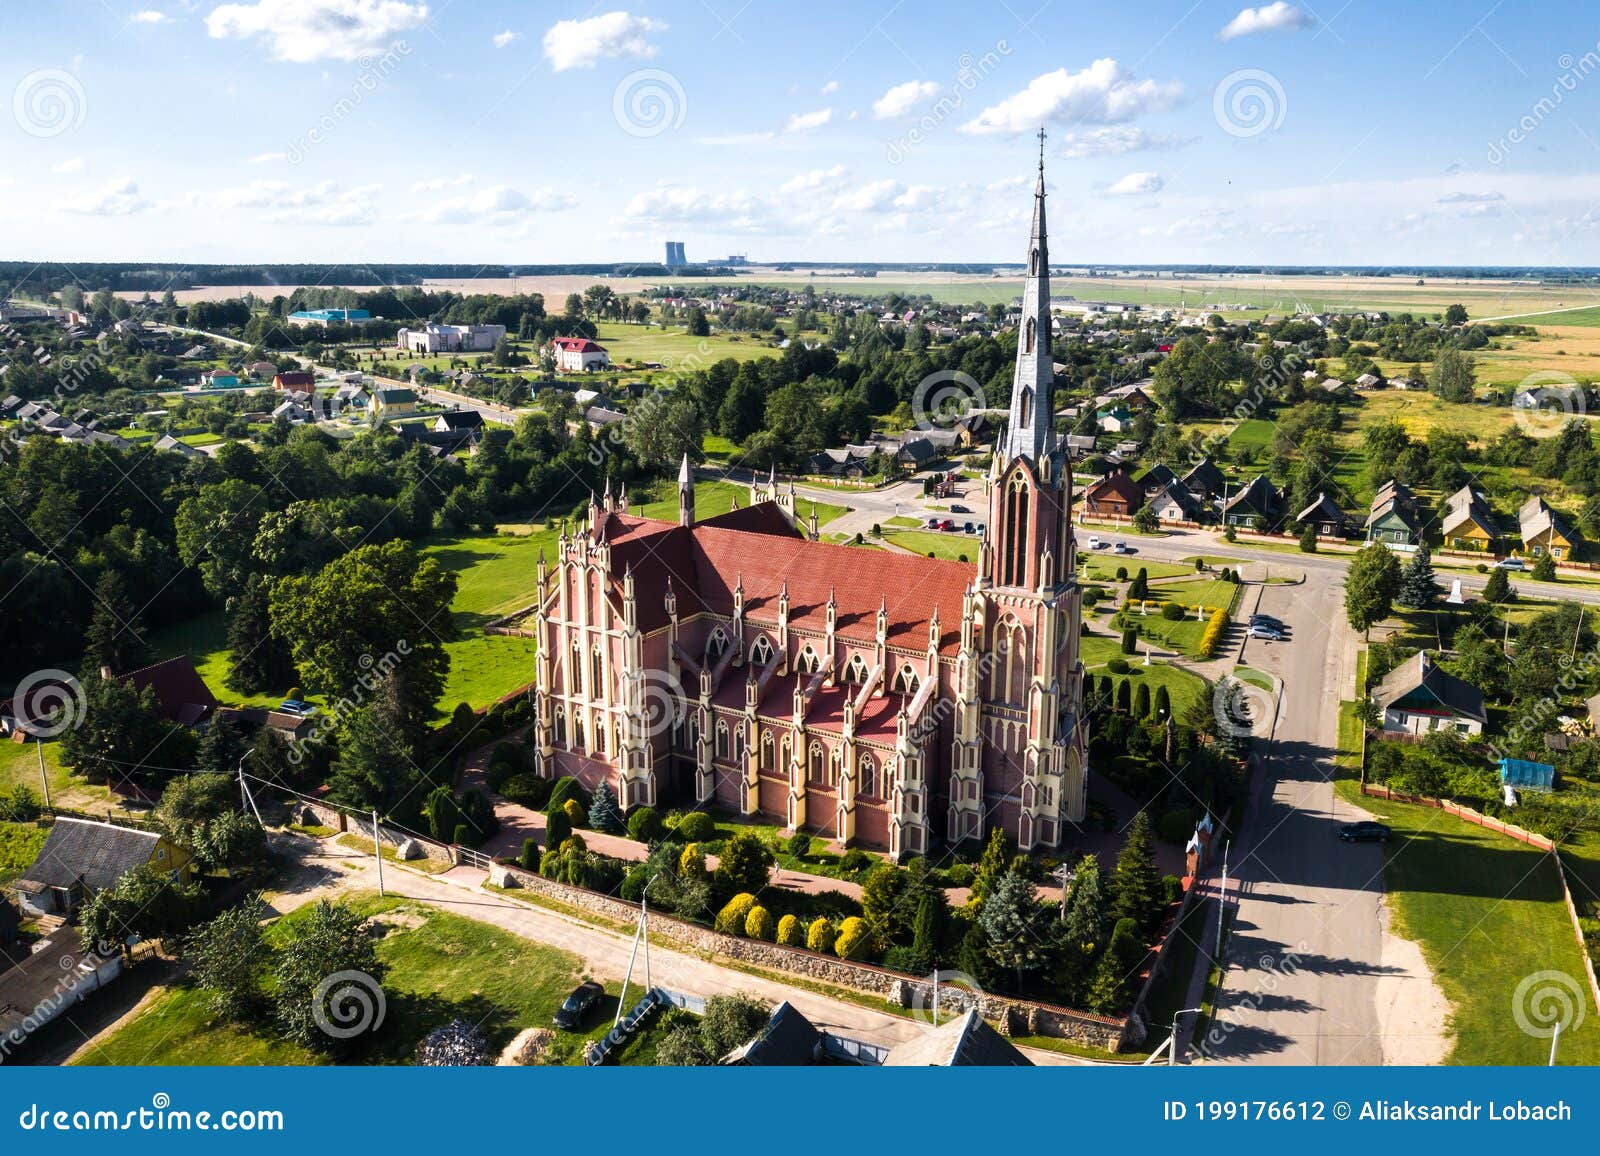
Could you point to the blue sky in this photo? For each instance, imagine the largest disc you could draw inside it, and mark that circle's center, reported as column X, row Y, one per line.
column 386, row 130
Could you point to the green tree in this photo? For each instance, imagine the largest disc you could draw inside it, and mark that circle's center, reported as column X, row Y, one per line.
column 991, row 865
column 1498, row 588
column 604, row 814
column 378, row 614
column 1544, row 569
column 330, row 940
column 662, row 427
column 216, row 533
column 233, row 842
column 376, row 768
column 1454, row 374
column 744, row 865
column 258, row 660
column 1136, row 882
column 228, row 960
column 144, row 904
column 115, row 636
column 884, row 904
column 927, row 929
column 123, row 736
column 1308, row 539
column 1419, row 590
column 1370, row 586
column 1108, row 991
column 1010, row 919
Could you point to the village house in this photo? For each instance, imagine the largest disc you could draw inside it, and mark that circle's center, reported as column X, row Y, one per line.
column 394, row 401
column 291, row 380
column 1174, row 503
column 1325, row 518
column 1394, row 519
column 1255, row 507
column 81, row 856
column 1545, row 531
column 182, row 696
column 220, row 379
column 1419, row 696
column 579, row 355
column 1205, row 481
column 1468, row 524
column 1116, row 495
column 328, row 317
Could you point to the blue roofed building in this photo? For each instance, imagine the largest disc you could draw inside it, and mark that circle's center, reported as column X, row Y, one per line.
column 329, row 317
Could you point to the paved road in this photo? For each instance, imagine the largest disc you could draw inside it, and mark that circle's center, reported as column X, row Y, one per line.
column 1314, row 976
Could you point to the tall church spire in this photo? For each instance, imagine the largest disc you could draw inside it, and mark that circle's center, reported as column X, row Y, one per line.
column 1031, row 432
column 685, row 493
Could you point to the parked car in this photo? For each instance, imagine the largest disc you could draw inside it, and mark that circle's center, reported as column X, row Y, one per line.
column 1510, row 564
column 1120, row 548
column 968, row 528
column 947, row 526
column 296, row 707
column 1266, row 620
column 577, row 1005
column 933, row 523
column 1263, row 631
column 1364, row 832
column 1095, row 543
column 959, row 510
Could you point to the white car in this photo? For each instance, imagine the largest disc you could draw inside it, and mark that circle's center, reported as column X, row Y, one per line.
column 1096, row 544
column 1120, row 548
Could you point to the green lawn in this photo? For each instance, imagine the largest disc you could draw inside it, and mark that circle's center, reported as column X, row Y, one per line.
column 1487, row 912
column 1183, row 687
column 1103, row 567
column 1208, row 592
column 1253, row 676
column 441, row 967
column 19, row 767
column 953, row 547
column 713, row 498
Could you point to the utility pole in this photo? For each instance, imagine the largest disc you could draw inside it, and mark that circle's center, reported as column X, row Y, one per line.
column 377, row 849
column 44, row 778
column 1555, row 1039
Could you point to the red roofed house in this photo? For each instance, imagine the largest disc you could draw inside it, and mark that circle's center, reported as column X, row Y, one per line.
column 294, row 379
column 181, row 693
column 579, row 354
column 1115, row 494
column 875, row 698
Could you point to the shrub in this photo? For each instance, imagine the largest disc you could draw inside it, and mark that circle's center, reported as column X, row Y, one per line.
column 527, row 789
column 1163, row 703
column 463, row 835
column 745, row 864
column 604, row 814
column 1173, row 612
column 790, row 933
column 645, row 825
column 697, row 827
column 819, row 936
column 529, row 859
column 731, row 919
column 574, row 812
column 692, row 862
column 507, row 761
column 855, row 939
column 1130, row 640
column 557, row 829
column 1141, row 701
column 1118, row 665
column 854, row 860
column 1124, row 696
column 566, row 788
column 1176, row 826
column 1171, row 888
column 959, row 875
column 758, row 924
column 1212, row 638
column 799, row 845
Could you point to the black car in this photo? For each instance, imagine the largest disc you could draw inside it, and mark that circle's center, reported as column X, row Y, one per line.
column 1266, row 620
column 959, row 510
column 577, row 1005
column 1364, row 832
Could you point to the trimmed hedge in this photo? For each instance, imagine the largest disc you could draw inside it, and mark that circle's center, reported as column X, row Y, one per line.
column 758, row 924
column 645, row 825
column 529, row 790
column 790, row 933
column 1212, row 638
column 819, row 936
column 697, row 827
column 855, row 939
column 734, row 914
column 566, row 788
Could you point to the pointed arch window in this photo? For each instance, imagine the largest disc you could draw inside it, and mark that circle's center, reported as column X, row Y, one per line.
column 576, row 668
column 808, row 662
column 722, row 740
column 738, row 743
column 597, row 674
column 1033, row 263
column 716, row 647
column 766, row 751
column 816, row 763
column 869, row 777
column 761, row 652
column 906, row 681
column 855, row 671
column 1014, row 560
column 1027, row 406
column 561, row 726
column 1028, row 345
column 600, row 737
column 834, row 761
column 577, row 732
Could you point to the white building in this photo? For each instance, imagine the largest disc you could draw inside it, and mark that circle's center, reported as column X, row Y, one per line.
column 579, row 354
column 451, row 338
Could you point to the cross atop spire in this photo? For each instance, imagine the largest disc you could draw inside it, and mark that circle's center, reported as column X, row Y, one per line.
column 1041, row 148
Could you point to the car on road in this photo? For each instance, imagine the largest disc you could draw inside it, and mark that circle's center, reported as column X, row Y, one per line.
column 1266, row 620
column 968, row 528
column 959, row 510
column 1267, row 633
column 1510, row 564
column 1365, row 831
column 577, row 1005
column 1120, row 548
column 1095, row 543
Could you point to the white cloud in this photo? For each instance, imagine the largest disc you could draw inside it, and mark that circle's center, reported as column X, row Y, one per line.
column 806, row 121
column 1275, row 17
column 326, row 203
column 902, row 98
column 502, row 39
column 499, row 204
column 70, row 165
column 1114, row 140
column 1136, row 185
column 1471, row 198
column 1103, row 93
column 434, row 184
column 583, row 43
column 117, row 199
column 302, row 31
column 735, row 209
column 267, row 158
column 919, row 198
column 813, row 180
column 736, row 138
column 830, row 88
column 873, row 197
column 148, row 16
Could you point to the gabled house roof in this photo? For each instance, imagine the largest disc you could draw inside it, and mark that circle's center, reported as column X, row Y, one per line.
column 1116, row 485
column 1421, row 676
column 95, row 854
column 1324, row 509
column 1463, row 508
column 1258, row 494
column 183, row 695
column 1205, row 478
column 1157, row 477
column 964, row 1042
column 1176, row 492
column 1536, row 517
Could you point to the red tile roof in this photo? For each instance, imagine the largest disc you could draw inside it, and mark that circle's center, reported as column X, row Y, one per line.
column 293, row 379
column 577, row 344
column 706, row 562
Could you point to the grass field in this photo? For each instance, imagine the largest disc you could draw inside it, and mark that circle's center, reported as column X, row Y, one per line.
column 1487, row 912
column 953, row 547
column 19, row 846
column 1199, row 591
column 1182, row 686
column 1103, row 567
column 440, row 967
column 19, row 767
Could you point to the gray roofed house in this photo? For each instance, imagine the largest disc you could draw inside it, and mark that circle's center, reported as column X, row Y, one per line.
column 172, row 444
column 1418, row 696
column 1326, row 516
column 1174, row 503
column 1205, row 480
column 965, row 1042
column 80, row 857
column 1255, row 506
column 788, row 1040
column 1157, row 478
